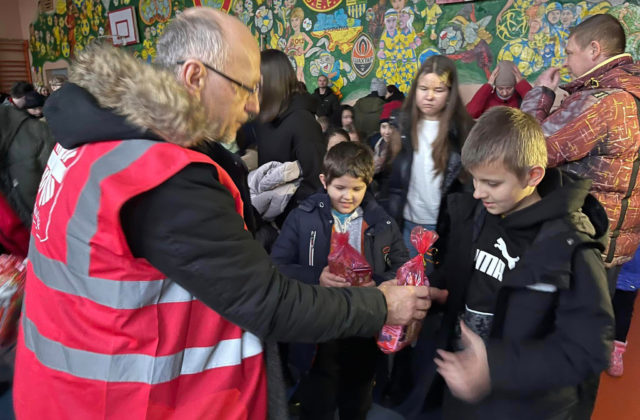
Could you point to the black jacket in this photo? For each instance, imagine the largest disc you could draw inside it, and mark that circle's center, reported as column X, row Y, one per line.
column 302, row 254
column 188, row 229
column 398, row 184
column 542, row 343
column 328, row 105
column 25, row 146
column 295, row 135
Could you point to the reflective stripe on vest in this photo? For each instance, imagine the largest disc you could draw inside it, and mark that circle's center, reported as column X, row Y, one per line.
column 130, row 291
column 137, row 367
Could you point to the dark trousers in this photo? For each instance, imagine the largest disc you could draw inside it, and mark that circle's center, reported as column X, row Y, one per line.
column 341, row 378
column 623, row 302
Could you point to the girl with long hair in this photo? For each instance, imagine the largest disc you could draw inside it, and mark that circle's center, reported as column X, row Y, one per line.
column 434, row 125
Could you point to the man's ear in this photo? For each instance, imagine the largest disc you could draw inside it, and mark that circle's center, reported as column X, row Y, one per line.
column 535, row 175
column 192, row 76
column 595, row 49
column 322, row 179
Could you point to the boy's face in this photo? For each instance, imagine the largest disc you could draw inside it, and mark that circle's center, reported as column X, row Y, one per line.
column 346, row 193
column 502, row 192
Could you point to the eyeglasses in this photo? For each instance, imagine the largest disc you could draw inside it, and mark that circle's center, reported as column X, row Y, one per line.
column 250, row 90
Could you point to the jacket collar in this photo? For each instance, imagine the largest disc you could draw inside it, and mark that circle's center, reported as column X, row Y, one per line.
column 593, row 77
column 125, row 91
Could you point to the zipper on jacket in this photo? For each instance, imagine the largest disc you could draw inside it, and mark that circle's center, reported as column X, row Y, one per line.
column 312, row 244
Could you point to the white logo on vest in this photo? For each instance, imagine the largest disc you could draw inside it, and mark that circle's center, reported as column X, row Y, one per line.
column 58, row 164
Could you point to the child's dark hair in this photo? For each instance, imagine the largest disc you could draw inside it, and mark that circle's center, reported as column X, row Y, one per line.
column 507, row 135
column 348, row 158
column 332, row 131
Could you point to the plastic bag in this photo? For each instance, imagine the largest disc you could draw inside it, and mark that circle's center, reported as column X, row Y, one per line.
column 345, row 261
column 395, row 337
column 12, row 277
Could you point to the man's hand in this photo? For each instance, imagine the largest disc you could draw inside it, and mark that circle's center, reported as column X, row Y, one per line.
column 331, row 280
column 466, row 372
column 549, row 78
column 405, row 303
column 494, row 74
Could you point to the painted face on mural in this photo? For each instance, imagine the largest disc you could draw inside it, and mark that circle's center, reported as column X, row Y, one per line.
column 390, row 23
column 431, row 96
column 554, row 17
column 534, row 26
column 295, row 23
column 398, row 4
column 404, row 19
column 567, row 18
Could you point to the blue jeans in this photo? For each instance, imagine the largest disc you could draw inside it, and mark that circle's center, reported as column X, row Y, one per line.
column 406, row 236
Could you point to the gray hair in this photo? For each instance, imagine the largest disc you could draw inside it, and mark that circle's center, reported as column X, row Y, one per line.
column 192, row 36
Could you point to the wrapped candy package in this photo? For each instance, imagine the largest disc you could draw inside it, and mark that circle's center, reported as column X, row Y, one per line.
column 345, row 261
column 394, row 337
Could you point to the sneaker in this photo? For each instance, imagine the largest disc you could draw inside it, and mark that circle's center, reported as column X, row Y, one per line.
column 616, row 367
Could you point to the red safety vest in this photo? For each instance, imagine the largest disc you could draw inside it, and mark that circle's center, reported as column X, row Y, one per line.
column 106, row 335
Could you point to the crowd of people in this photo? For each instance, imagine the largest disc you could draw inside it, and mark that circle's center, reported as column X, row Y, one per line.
column 178, row 263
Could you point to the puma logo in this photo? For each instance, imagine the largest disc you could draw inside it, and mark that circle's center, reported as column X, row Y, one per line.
column 502, row 246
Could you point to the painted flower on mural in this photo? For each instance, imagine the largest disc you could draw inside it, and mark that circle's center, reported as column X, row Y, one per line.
column 307, row 24
column 160, row 29
column 264, row 19
column 148, row 52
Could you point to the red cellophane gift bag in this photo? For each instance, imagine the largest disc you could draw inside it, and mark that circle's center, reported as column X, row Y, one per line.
column 345, row 261
column 12, row 277
column 394, row 337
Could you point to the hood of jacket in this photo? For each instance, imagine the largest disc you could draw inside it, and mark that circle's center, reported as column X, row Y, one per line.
column 619, row 72
column 564, row 194
column 326, row 93
column 115, row 96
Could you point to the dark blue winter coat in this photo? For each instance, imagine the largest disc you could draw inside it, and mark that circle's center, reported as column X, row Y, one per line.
column 302, row 247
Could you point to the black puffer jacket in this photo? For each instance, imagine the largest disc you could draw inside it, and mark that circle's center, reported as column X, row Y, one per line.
column 25, row 146
column 398, row 184
column 295, row 135
column 544, row 340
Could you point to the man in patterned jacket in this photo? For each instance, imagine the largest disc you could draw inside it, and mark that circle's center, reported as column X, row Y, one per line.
column 595, row 133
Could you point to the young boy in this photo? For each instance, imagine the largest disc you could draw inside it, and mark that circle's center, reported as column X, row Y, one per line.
column 528, row 318
column 342, row 373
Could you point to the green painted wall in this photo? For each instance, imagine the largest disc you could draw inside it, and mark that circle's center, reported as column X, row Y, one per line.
column 352, row 41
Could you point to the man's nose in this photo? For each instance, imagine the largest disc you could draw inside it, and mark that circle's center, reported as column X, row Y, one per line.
column 252, row 106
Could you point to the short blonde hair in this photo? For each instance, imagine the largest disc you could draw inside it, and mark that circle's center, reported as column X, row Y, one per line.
column 507, row 135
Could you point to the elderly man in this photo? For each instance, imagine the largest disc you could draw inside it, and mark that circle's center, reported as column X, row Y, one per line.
column 145, row 295
column 595, row 133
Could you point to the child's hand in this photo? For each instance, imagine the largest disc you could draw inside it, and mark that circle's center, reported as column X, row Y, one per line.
column 331, row 280
column 369, row 284
column 466, row 372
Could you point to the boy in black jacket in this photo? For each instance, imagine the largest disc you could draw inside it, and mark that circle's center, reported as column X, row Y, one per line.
column 529, row 317
column 343, row 370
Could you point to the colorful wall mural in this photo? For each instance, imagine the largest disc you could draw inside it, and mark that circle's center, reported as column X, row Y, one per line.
column 352, row 41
